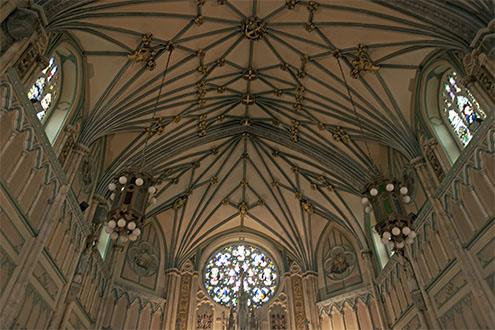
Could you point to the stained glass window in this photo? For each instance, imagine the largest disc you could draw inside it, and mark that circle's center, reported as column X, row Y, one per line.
column 44, row 89
column 235, row 263
column 460, row 108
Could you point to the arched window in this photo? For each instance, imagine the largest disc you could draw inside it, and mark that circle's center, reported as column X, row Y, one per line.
column 236, row 263
column 45, row 88
column 460, row 108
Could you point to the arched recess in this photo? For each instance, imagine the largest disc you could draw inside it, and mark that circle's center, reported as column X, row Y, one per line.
column 67, row 105
column 339, row 262
column 143, row 259
column 430, row 117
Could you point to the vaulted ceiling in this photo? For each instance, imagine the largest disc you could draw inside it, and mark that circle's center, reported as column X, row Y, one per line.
column 251, row 118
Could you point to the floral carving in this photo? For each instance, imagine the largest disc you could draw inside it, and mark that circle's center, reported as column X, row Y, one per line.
column 340, row 262
column 142, row 258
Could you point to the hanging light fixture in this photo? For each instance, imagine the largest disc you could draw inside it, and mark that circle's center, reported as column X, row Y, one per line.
column 134, row 188
column 386, row 198
column 131, row 194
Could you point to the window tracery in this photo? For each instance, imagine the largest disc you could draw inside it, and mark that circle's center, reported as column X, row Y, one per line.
column 45, row 88
column 237, row 263
column 460, row 107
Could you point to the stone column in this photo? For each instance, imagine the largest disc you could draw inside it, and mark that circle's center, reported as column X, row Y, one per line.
column 299, row 320
column 107, row 298
column 172, row 291
column 420, row 298
column 382, row 316
column 429, row 180
column 192, row 304
column 310, row 289
column 71, row 288
column 35, row 249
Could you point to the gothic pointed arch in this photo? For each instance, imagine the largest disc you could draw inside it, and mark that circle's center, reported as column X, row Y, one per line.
column 445, row 108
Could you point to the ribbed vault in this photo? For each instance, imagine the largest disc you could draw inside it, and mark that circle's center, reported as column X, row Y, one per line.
column 251, row 120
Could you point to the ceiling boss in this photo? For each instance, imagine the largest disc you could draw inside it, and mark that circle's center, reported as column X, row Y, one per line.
column 253, row 28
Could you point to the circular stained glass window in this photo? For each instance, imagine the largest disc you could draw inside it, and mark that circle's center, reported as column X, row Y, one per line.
column 232, row 264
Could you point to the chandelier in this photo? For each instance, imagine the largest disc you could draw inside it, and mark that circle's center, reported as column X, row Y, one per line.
column 132, row 192
column 133, row 189
column 385, row 197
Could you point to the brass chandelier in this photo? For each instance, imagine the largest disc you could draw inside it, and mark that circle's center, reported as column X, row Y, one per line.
column 385, row 197
column 134, row 189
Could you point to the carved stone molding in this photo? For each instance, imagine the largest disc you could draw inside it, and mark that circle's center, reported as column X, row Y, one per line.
column 340, row 262
column 183, row 302
column 298, row 302
column 477, row 68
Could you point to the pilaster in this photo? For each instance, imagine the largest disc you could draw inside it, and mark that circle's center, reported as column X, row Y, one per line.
column 421, row 300
column 117, row 249
column 172, row 289
column 310, row 289
column 382, row 316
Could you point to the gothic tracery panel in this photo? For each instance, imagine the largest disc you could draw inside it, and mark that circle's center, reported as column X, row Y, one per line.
column 45, row 88
column 339, row 262
column 460, row 107
column 237, row 263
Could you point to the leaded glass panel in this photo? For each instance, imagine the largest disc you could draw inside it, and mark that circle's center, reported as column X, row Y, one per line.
column 460, row 108
column 45, row 88
column 240, row 262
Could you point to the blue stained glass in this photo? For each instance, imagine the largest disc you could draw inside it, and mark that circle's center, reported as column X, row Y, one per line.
column 461, row 108
column 44, row 89
column 224, row 271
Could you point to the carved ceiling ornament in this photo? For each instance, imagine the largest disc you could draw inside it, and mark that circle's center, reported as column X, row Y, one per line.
column 362, row 62
column 126, row 108
column 145, row 53
column 143, row 258
column 253, row 28
column 339, row 262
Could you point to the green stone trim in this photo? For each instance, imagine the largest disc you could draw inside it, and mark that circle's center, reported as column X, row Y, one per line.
column 30, row 113
column 54, row 264
column 490, row 279
column 86, row 314
column 44, row 280
column 18, row 209
column 442, row 272
column 402, row 316
column 479, row 233
column 5, row 260
column 23, row 240
column 480, row 135
column 46, row 146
